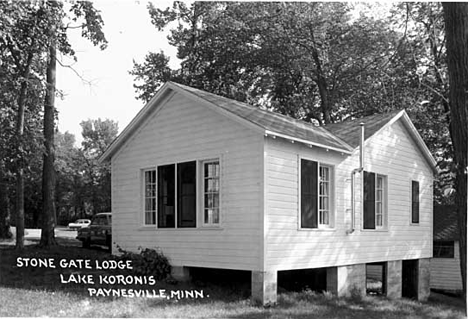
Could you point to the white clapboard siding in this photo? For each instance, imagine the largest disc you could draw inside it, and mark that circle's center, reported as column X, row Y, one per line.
column 183, row 130
column 391, row 152
column 445, row 272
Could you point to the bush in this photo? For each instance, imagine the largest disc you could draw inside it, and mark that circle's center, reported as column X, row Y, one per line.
column 147, row 262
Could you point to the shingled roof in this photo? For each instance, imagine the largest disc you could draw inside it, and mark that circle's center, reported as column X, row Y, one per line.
column 350, row 131
column 445, row 223
column 341, row 137
column 272, row 122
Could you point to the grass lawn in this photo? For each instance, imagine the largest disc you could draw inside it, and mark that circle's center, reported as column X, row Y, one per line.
column 37, row 292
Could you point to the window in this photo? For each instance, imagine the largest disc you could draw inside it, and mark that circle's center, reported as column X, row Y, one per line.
column 315, row 194
column 186, row 194
column 379, row 203
column 150, row 197
column 444, row 249
column 166, row 196
column 374, row 200
column 170, row 194
column 324, row 196
column 414, row 202
column 211, row 193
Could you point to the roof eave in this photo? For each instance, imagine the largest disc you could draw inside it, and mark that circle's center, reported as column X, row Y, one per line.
column 419, row 141
column 308, row 143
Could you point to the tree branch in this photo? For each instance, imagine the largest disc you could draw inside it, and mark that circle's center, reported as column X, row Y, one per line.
column 87, row 82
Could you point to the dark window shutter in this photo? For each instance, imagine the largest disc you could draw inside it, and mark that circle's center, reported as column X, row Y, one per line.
column 369, row 200
column 309, row 194
column 186, row 194
column 415, row 202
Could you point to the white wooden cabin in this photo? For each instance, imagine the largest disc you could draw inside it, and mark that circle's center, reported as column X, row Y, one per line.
column 445, row 265
column 217, row 183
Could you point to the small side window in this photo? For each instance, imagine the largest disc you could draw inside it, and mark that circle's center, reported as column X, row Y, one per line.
column 444, row 249
column 211, row 192
column 415, row 202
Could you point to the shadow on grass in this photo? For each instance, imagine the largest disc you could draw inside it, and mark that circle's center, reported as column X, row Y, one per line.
column 309, row 304
column 16, row 271
column 232, row 298
column 75, row 280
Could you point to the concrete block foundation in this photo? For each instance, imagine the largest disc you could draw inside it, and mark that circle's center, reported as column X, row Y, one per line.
column 180, row 273
column 345, row 281
column 424, row 278
column 264, row 287
column 393, row 279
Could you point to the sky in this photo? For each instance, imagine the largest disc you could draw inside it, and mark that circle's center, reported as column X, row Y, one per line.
column 99, row 86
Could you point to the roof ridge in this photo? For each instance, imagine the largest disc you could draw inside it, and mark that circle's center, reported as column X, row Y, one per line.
column 392, row 112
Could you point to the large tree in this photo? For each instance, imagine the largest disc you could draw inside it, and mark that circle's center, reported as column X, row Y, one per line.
column 424, row 84
column 320, row 62
column 21, row 42
column 30, row 34
column 456, row 22
column 91, row 29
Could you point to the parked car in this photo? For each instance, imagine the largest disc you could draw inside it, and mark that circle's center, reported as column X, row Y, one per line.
column 99, row 232
column 80, row 223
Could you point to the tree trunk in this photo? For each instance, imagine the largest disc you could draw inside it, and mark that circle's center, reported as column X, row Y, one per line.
column 5, row 232
column 323, row 89
column 48, row 172
column 20, row 155
column 456, row 28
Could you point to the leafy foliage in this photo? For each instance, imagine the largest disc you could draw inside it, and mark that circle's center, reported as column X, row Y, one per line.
column 83, row 184
column 30, row 34
column 148, row 262
column 319, row 62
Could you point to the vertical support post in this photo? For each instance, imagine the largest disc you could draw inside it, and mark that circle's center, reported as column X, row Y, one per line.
column 424, row 277
column 264, row 287
column 394, row 279
column 345, row 281
column 180, row 273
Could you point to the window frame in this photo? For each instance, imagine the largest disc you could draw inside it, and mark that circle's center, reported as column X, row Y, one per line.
column 155, row 197
column 444, row 244
column 413, row 202
column 383, row 201
column 202, row 193
column 199, row 195
column 180, row 195
column 331, row 195
column 173, row 195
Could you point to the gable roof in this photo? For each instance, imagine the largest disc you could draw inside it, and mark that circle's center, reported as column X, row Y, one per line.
column 339, row 137
column 445, row 223
column 349, row 131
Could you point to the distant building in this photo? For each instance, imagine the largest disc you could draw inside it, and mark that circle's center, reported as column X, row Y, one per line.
column 445, row 265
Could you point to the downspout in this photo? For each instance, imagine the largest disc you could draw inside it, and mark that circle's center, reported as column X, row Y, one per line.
column 353, row 173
